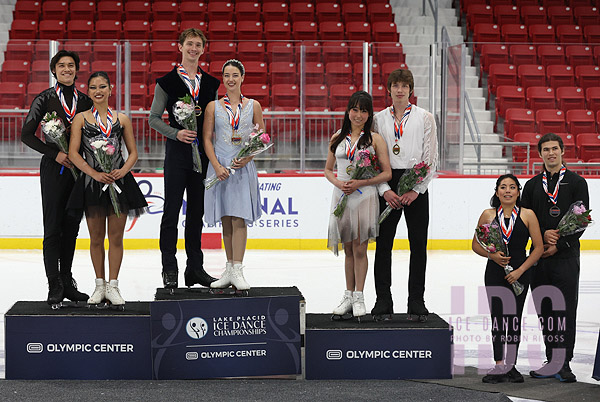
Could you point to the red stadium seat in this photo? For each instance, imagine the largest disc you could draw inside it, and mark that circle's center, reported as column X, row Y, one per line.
column 501, row 74
column 283, row 72
column 250, row 51
column 51, row 29
column 580, row 121
column 104, row 50
column 520, row 153
column 354, row 12
column 190, row 10
column 109, row 9
column 339, row 95
column 314, row 72
column 569, row 143
column 569, row 34
column 507, row 14
column 485, row 33
column 551, row 54
column 302, row 11
column 587, row 76
column 160, row 68
column 80, row 29
column 560, row 75
column 256, row 72
column 592, row 33
column 384, row 31
column 380, row 97
column 542, row 33
column 379, row 12
column 476, row 14
column 280, row 51
column 329, row 11
column 531, row 15
column 592, row 98
column 165, row 30
column 541, row 98
column 139, row 99
column 316, row 95
column 359, row 31
column 33, row 89
column 514, row 33
column 356, row 51
column 139, row 72
column 330, row 30
column 220, row 30
column 27, row 10
column 550, row 121
column 393, row 53
column 136, row 30
column 82, row 10
column 285, row 96
column 258, row 92
column 588, row 146
column 106, row 65
column 522, row 54
column 560, row 15
column 40, row 72
column 338, row 73
column 531, row 75
column 201, row 25
column 164, row 51
column 222, row 51
column 278, row 30
column 165, row 10
column 12, row 95
column 388, row 68
column 492, row 54
column 312, row 51
column 19, row 50
column 334, row 51
column 569, row 98
column 16, row 71
column 586, row 15
column 108, row 29
column 275, row 11
column 305, row 30
column 55, row 10
column 508, row 96
column 250, row 30
column 578, row 55
column 518, row 120
column 23, row 29
column 137, row 10
column 220, row 11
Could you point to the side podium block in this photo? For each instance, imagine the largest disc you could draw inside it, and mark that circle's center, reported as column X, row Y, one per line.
column 77, row 343
column 198, row 334
column 388, row 350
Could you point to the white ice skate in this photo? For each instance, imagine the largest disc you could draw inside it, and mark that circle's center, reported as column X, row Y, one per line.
column 237, row 278
column 358, row 305
column 99, row 292
column 113, row 295
column 225, row 280
column 344, row 310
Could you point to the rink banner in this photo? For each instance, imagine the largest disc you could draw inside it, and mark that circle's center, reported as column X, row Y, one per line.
column 78, row 347
column 234, row 337
column 295, row 213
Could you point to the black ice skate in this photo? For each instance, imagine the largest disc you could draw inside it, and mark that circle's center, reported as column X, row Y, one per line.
column 383, row 309
column 76, row 297
column 417, row 310
column 197, row 276
column 55, row 292
column 170, row 280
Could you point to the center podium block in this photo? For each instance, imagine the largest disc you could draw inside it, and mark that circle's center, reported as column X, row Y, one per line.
column 197, row 333
column 385, row 350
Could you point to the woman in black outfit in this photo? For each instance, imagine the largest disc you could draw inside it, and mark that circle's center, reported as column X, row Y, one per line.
column 60, row 228
column 518, row 225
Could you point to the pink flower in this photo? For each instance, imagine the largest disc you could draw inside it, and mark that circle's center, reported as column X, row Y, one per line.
column 492, row 249
column 264, row 137
column 579, row 209
column 110, row 150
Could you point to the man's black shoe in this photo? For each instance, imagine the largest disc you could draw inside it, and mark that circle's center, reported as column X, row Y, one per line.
column 565, row 374
column 170, row 279
column 197, row 276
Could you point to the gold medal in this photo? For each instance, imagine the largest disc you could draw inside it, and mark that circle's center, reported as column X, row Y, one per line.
column 349, row 170
column 396, row 149
column 235, row 138
column 198, row 110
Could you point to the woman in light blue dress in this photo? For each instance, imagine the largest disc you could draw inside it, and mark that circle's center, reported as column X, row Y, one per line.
column 235, row 200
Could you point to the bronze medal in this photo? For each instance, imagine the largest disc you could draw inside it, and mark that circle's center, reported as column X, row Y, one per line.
column 235, row 138
column 198, row 110
column 396, row 149
column 554, row 211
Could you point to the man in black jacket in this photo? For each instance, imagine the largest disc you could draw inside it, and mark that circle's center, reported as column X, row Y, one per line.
column 555, row 280
column 60, row 228
column 186, row 78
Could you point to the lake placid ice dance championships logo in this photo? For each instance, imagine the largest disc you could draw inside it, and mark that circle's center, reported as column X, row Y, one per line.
column 196, row 328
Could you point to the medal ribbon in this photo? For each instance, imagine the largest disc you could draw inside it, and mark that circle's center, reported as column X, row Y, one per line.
column 399, row 128
column 106, row 130
column 234, row 119
column 69, row 112
column 351, row 149
column 507, row 231
column 554, row 195
column 194, row 89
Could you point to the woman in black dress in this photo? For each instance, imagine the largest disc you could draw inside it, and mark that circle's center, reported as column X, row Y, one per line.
column 92, row 191
column 518, row 225
column 60, row 228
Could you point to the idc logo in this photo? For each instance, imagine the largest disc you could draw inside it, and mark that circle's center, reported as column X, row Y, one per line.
column 191, row 356
column 35, row 347
column 334, row 354
column 196, row 328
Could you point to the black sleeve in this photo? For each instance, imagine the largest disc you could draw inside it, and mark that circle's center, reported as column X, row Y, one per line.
column 580, row 193
column 32, row 121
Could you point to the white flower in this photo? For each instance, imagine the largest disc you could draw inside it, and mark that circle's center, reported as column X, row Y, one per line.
column 98, row 144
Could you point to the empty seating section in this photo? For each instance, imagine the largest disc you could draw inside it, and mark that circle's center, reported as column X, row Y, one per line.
column 266, row 36
column 540, row 60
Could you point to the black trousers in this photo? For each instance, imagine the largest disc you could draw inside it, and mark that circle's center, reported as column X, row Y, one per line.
column 558, row 325
column 417, row 222
column 60, row 228
column 178, row 180
column 506, row 328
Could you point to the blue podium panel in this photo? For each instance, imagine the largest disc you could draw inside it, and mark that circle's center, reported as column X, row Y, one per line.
column 388, row 350
column 197, row 334
column 77, row 343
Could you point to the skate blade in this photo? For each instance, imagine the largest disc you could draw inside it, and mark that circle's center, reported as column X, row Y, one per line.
column 419, row 318
column 344, row 317
column 382, row 317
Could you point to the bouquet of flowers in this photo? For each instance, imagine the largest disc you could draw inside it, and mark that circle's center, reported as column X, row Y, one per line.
column 365, row 168
column 490, row 238
column 55, row 131
column 407, row 182
column 258, row 142
column 576, row 220
column 104, row 150
column 185, row 114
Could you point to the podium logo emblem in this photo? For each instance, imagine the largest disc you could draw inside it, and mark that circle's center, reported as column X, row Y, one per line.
column 191, row 356
column 35, row 347
column 196, row 328
column 334, row 354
